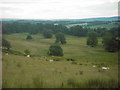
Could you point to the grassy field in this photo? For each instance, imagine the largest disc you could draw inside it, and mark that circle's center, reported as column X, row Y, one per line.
column 36, row 72
column 72, row 25
column 108, row 26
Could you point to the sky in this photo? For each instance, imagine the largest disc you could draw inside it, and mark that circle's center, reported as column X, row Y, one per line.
column 58, row 9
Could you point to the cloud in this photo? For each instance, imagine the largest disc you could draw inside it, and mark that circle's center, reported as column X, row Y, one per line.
column 57, row 9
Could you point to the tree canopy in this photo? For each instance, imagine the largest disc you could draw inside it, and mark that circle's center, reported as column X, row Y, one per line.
column 55, row 50
column 92, row 39
column 78, row 31
column 6, row 44
column 60, row 38
column 110, row 42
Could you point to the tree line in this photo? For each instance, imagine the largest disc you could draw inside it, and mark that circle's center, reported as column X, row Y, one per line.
column 34, row 28
column 110, row 38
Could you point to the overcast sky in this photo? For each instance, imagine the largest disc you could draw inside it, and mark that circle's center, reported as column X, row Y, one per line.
column 58, row 9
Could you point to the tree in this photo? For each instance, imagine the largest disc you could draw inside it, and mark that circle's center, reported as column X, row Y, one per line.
column 29, row 37
column 47, row 34
column 92, row 39
column 115, row 31
column 55, row 50
column 110, row 43
column 27, row 52
column 60, row 38
column 6, row 44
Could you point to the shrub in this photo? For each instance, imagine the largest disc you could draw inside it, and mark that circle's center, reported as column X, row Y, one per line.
column 27, row 52
column 47, row 34
column 12, row 52
column 80, row 64
column 29, row 37
column 6, row 44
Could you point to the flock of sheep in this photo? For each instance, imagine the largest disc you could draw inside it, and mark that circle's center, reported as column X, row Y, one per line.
column 103, row 68
column 51, row 60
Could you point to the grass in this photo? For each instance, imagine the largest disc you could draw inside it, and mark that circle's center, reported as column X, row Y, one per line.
column 23, row 72
column 72, row 25
column 92, row 83
column 37, row 82
column 108, row 26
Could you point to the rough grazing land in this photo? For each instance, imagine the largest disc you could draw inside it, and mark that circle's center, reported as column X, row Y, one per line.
column 35, row 72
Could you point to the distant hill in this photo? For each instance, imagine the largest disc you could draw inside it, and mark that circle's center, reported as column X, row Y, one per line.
column 63, row 20
column 101, row 19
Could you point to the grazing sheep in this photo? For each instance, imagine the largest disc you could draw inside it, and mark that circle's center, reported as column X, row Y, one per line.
column 105, row 68
column 28, row 55
column 51, row 60
column 94, row 66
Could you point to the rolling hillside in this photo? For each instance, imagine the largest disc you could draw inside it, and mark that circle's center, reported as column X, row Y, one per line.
column 35, row 72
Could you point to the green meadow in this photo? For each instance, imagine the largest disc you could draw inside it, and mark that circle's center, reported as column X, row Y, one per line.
column 35, row 72
column 108, row 26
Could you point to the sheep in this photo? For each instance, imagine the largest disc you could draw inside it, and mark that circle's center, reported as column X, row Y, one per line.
column 94, row 66
column 105, row 68
column 51, row 60
column 28, row 55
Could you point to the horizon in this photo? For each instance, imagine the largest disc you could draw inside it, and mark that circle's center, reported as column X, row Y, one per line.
column 58, row 9
column 58, row 18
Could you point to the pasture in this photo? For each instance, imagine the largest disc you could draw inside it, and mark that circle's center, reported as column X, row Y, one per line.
column 35, row 72
column 108, row 26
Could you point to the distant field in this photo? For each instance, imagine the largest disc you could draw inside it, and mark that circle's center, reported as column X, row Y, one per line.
column 39, row 46
column 71, row 25
column 108, row 26
column 21, row 71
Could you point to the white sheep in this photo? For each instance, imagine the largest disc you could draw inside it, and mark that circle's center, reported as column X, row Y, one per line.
column 28, row 55
column 94, row 66
column 105, row 68
column 51, row 60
